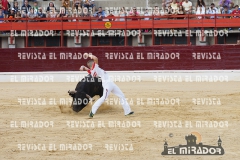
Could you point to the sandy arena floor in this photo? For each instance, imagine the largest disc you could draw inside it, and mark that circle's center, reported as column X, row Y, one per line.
column 147, row 140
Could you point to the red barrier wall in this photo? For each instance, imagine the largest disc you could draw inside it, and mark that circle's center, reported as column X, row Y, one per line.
column 219, row 57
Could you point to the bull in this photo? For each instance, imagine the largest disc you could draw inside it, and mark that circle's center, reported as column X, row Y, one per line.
column 87, row 88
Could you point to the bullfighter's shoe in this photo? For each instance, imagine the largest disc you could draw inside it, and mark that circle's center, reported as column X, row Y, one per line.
column 129, row 114
column 91, row 114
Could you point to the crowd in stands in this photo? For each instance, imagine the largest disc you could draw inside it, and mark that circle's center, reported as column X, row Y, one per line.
column 87, row 8
column 15, row 10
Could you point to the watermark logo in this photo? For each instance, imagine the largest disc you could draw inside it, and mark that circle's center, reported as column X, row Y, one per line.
column 32, row 33
column 194, row 146
column 187, row 33
column 190, row 124
column 103, row 124
column 51, row 55
column 141, row 55
column 206, row 55
column 207, row 101
column 31, row 124
column 54, row 147
column 31, row 78
column 119, row 147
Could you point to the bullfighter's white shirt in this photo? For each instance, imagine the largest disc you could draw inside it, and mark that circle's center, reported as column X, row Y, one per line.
column 96, row 71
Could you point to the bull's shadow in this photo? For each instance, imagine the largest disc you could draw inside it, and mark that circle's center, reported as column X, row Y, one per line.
column 87, row 88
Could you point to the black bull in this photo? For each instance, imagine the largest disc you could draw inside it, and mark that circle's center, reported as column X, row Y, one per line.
column 88, row 86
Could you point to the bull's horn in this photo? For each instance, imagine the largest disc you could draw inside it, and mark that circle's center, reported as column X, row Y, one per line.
column 72, row 92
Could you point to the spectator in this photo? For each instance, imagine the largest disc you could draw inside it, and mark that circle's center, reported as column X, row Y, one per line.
column 166, row 4
column 53, row 15
column 147, row 14
column 181, row 2
column 51, row 6
column 85, row 15
column 74, row 15
column 40, row 14
column 25, row 9
column 35, row 7
column 62, row 13
column 134, row 13
column 66, row 3
column 86, row 4
column 200, row 11
column 227, row 3
column 1, row 16
column 212, row 10
column 156, row 12
column 32, row 15
column 11, row 15
column 236, row 11
column 181, row 12
column 200, row 3
column 68, row 12
column 122, row 13
column 187, row 5
column 18, row 15
column 29, row 0
column 174, row 5
column 226, row 11
column 92, row 6
column 48, row 16
column 77, row 4
column 111, row 16
column 169, row 11
column 5, row 7
column 100, row 14
column 15, row 6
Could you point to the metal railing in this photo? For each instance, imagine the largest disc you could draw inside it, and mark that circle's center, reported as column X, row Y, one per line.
column 122, row 23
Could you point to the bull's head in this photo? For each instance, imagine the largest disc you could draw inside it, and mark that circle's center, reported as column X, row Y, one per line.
column 83, row 92
column 80, row 100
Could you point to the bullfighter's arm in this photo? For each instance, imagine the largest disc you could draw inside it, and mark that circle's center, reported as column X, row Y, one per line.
column 94, row 58
column 84, row 68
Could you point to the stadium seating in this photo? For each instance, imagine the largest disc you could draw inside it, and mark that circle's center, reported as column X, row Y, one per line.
column 125, row 3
